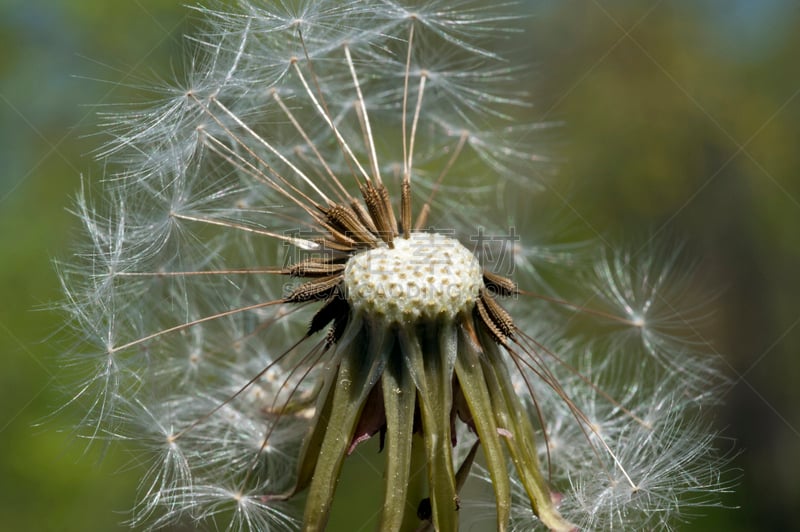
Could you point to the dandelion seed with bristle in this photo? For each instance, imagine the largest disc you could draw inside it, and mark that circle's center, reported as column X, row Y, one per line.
column 347, row 132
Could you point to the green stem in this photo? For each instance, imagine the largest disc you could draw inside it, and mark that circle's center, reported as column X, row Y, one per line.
column 399, row 399
column 512, row 416
column 432, row 374
column 361, row 366
column 473, row 385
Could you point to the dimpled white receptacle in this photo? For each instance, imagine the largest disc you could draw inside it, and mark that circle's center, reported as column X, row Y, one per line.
column 426, row 276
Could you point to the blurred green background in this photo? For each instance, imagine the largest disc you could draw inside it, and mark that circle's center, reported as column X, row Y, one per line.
column 681, row 117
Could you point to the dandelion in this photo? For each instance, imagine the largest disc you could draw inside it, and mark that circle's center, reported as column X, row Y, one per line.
column 286, row 263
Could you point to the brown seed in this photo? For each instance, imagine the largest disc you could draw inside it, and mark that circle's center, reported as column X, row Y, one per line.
column 497, row 321
column 317, row 289
column 344, row 219
column 497, row 284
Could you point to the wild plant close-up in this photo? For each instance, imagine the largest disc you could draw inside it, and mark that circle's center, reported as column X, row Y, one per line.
column 321, row 235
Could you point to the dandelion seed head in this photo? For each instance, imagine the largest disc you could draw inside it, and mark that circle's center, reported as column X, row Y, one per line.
column 258, row 294
column 425, row 276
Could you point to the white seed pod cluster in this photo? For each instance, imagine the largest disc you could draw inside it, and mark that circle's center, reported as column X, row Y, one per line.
column 427, row 276
column 359, row 146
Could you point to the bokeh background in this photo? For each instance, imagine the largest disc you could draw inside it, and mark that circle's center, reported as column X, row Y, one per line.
column 681, row 119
